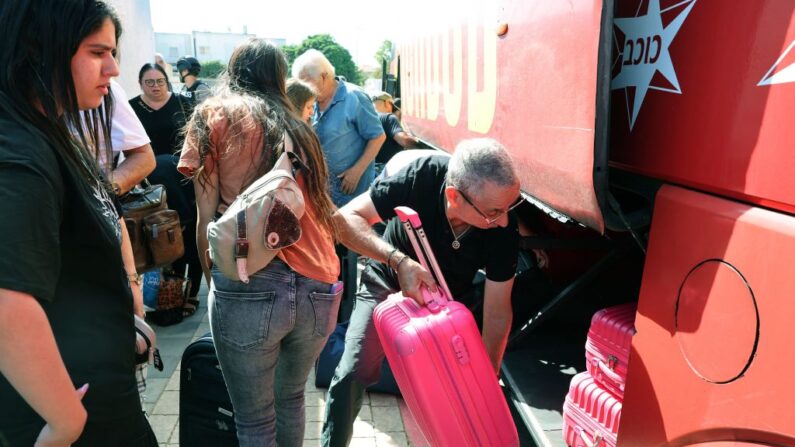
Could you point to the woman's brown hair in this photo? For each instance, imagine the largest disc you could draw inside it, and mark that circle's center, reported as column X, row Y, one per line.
column 254, row 87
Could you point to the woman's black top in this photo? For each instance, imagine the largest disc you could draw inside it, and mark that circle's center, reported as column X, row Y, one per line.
column 165, row 125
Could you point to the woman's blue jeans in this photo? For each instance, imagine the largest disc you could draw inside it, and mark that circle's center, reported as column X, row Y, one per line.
column 268, row 334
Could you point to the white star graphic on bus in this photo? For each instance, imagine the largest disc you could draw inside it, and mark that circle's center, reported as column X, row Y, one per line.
column 782, row 77
column 645, row 53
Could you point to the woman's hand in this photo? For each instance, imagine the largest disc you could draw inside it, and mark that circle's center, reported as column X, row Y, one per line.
column 66, row 432
column 138, row 299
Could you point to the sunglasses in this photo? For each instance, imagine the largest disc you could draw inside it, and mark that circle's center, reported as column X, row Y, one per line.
column 151, row 82
column 491, row 220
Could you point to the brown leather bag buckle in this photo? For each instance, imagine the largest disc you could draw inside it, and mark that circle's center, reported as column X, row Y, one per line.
column 241, row 248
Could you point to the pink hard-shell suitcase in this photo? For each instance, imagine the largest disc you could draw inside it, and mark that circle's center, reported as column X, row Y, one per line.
column 440, row 363
column 590, row 415
column 608, row 345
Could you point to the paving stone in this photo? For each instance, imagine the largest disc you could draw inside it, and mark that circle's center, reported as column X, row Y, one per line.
column 362, row 442
column 163, row 425
column 313, row 429
column 315, row 399
column 314, row 414
column 382, row 400
column 392, row 439
column 174, row 436
column 387, row 419
column 311, row 442
column 363, row 429
column 168, row 403
column 366, row 414
column 173, row 382
column 154, row 388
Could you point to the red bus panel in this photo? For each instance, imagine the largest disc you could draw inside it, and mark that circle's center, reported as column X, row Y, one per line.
column 703, row 94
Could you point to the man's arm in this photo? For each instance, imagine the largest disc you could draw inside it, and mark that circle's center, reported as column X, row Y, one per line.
column 350, row 177
column 138, row 163
column 405, row 140
column 497, row 318
column 355, row 221
column 208, row 197
column 30, row 361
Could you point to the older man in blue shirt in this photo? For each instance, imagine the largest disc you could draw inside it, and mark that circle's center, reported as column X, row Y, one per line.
column 347, row 125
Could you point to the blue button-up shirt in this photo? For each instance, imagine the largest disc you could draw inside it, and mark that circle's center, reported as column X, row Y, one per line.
column 344, row 129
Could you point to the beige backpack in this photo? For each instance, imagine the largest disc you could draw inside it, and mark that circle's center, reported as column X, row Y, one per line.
column 262, row 220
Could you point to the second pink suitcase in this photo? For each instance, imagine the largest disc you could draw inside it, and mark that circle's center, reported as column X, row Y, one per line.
column 441, row 365
column 590, row 415
column 608, row 346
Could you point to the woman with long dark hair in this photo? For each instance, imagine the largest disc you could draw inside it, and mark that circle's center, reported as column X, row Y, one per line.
column 269, row 331
column 66, row 310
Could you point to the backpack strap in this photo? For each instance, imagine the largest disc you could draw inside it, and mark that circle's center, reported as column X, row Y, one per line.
column 241, row 242
column 241, row 246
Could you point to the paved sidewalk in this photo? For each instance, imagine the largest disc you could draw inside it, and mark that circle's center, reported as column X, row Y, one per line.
column 383, row 421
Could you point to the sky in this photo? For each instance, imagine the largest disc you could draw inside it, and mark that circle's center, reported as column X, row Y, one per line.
column 358, row 25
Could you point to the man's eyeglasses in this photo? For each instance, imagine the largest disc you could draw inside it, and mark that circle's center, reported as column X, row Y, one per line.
column 151, row 82
column 494, row 218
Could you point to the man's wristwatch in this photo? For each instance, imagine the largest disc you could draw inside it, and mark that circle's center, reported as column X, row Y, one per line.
column 116, row 188
column 134, row 278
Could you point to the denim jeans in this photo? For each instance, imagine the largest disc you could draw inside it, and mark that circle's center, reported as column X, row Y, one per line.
column 360, row 365
column 268, row 334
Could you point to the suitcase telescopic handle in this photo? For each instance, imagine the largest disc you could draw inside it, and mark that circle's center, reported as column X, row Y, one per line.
column 413, row 225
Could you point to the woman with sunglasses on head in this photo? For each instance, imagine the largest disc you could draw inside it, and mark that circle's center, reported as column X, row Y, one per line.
column 66, row 310
column 163, row 115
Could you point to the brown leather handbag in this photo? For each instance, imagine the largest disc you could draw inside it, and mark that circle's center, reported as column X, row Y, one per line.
column 155, row 230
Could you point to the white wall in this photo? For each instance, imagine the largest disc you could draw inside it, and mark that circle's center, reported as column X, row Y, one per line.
column 137, row 45
column 216, row 46
column 173, row 46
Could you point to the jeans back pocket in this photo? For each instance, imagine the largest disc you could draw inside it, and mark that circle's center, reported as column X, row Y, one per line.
column 326, row 306
column 243, row 318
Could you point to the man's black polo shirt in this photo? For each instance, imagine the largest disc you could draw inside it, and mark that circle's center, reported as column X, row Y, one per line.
column 420, row 186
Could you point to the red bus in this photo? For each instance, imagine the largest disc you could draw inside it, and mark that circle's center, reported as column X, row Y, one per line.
column 656, row 140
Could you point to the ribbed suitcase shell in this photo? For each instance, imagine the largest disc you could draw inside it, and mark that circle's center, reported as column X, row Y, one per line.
column 440, row 363
column 444, row 373
column 608, row 345
column 590, row 415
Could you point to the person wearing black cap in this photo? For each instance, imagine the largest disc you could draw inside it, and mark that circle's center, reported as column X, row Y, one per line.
column 396, row 137
column 194, row 88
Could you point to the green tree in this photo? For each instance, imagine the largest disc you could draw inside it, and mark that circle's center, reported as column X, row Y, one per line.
column 211, row 69
column 384, row 52
column 339, row 57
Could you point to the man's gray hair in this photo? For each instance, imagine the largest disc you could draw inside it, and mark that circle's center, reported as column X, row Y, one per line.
column 312, row 63
column 477, row 161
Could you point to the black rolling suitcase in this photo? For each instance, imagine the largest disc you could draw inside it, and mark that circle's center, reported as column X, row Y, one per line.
column 206, row 417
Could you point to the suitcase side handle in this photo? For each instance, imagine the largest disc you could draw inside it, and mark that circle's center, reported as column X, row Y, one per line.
column 413, row 225
column 609, row 373
column 588, row 442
